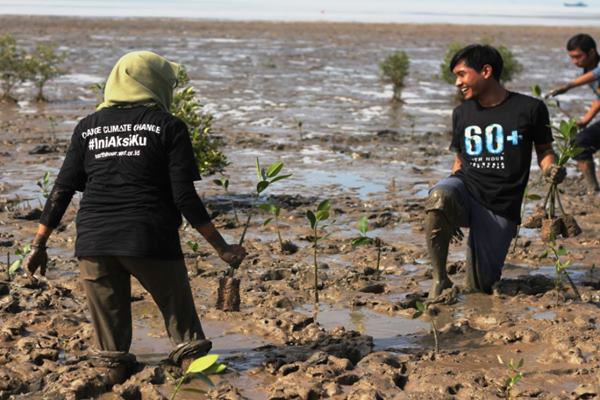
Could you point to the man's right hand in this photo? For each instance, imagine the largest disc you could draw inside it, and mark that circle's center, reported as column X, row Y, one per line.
column 557, row 91
column 37, row 258
column 233, row 255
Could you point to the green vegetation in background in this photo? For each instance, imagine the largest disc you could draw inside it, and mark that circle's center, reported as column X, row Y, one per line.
column 17, row 66
column 207, row 148
column 394, row 70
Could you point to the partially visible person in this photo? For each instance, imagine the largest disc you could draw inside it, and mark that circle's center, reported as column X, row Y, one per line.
column 135, row 165
column 584, row 54
column 493, row 134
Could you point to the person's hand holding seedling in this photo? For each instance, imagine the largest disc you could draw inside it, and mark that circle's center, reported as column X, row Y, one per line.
column 233, row 254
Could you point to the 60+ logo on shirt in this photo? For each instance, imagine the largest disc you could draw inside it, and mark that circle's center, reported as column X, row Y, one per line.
column 492, row 136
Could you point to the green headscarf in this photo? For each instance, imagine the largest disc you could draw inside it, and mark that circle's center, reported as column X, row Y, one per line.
column 141, row 77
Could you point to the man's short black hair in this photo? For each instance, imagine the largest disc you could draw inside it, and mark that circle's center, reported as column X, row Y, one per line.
column 476, row 56
column 581, row 41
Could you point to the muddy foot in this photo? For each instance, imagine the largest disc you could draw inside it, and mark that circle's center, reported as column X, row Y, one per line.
column 438, row 287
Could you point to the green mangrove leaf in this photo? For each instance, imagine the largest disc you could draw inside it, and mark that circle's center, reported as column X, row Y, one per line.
column 311, row 218
column 267, row 221
column 536, row 91
column 274, row 169
column 14, row 267
column 202, row 363
column 261, row 186
column 280, row 177
column 325, row 205
column 363, row 225
column 322, row 215
column 216, row 368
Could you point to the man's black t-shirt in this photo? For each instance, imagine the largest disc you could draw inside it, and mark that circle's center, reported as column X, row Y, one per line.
column 124, row 160
column 494, row 145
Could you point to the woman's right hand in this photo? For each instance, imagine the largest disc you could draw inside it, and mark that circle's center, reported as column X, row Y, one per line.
column 233, row 254
column 37, row 258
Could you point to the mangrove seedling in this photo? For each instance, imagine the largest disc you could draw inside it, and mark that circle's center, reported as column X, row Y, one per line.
column 21, row 254
column 265, row 179
column 200, row 368
column 425, row 309
column 565, row 224
column 44, row 184
column 394, row 70
column 314, row 218
column 194, row 246
column 363, row 228
column 514, row 376
column 561, row 267
column 224, row 183
column 273, row 209
column 228, row 293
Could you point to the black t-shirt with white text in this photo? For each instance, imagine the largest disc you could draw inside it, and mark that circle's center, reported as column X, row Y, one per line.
column 495, row 145
column 124, row 160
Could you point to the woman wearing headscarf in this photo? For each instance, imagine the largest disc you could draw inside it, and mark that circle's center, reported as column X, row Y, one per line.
column 135, row 165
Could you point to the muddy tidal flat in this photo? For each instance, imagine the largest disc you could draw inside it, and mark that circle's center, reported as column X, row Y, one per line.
column 370, row 157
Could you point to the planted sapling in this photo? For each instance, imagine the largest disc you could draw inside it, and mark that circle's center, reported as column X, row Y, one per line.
column 228, row 294
column 194, row 246
column 514, row 376
column 224, row 183
column 265, row 179
column 561, row 267
column 552, row 225
column 200, row 368
column 363, row 228
column 273, row 209
column 314, row 218
column 426, row 309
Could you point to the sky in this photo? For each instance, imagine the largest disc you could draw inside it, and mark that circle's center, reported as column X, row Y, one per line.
column 509, row 12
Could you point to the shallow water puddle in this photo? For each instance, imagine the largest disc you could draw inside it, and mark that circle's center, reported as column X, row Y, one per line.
column 387, row 331
column 344, row 180
column 151, row 345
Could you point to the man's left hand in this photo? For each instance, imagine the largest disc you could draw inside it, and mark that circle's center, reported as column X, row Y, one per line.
column 555, row 174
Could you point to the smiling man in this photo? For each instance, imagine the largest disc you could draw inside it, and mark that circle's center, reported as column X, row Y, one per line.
column 493, row 134
column 584, row 54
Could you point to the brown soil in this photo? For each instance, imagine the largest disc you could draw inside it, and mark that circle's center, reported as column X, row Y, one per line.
column 361, row 343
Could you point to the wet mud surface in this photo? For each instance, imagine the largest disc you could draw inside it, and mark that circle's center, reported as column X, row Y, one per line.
column 354, row 148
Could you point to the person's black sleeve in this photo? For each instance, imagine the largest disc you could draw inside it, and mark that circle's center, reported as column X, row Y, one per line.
column 189, row 203
column 542, row 133
column 71, row 178
column 180, row 154
column 183, row 171
column 56, row 205
column 455, row 144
